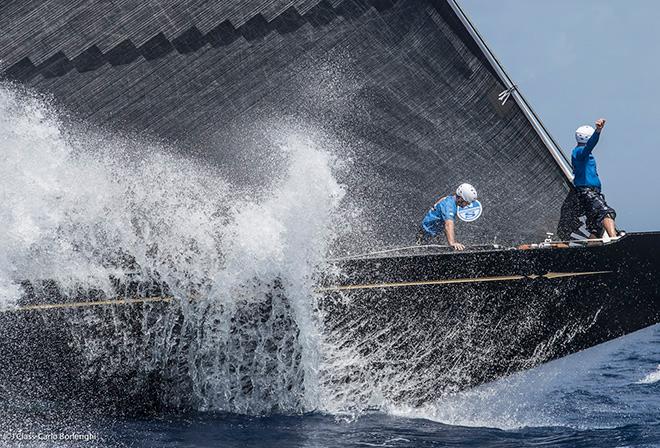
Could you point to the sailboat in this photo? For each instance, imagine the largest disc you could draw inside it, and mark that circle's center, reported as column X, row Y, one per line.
column 430, row 107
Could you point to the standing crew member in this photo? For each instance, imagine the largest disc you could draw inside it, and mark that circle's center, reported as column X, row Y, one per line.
column 587, row 183
column 443, row 214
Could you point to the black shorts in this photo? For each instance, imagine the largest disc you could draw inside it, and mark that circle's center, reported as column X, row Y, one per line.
column 595, row 207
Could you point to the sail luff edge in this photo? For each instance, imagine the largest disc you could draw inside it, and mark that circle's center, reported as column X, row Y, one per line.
column 534, row 120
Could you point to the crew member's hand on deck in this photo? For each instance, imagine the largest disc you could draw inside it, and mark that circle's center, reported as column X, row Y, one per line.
column 457, row 246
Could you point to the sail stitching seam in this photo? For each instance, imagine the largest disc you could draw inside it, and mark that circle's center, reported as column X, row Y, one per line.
column 190, row 41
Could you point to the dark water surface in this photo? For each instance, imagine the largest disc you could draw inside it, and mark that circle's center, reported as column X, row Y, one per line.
column 604, row 397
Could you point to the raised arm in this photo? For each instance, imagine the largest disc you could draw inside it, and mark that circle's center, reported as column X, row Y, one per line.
column 585, row 150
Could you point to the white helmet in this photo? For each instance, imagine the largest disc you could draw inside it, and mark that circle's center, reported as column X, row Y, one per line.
column 584, row 133
column 467, row 192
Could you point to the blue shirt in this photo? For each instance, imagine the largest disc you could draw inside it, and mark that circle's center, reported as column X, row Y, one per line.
column 584, row 164
column 443, row 210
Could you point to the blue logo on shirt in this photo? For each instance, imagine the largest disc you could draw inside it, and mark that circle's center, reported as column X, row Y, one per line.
column 470, row 212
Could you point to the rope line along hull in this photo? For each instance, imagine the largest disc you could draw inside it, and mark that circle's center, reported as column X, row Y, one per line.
column 439, row 323
column 469, row 318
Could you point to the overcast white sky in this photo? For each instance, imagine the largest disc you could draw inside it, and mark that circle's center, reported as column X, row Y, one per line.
column 577, row 60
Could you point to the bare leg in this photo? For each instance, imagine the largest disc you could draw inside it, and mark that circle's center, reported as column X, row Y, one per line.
column 608, row 223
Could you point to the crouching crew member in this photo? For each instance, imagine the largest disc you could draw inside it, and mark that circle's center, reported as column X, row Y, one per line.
column 442, row 216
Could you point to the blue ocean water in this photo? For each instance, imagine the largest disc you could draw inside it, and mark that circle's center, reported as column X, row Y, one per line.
column 606, row 396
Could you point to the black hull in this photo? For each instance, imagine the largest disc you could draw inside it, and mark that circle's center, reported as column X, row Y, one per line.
column 417, row 326
column 474, row 317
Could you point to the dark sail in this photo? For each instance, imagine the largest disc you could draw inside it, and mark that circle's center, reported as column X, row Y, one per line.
column 406, row 85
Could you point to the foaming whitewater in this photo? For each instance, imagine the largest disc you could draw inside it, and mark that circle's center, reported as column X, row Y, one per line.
column 81, row 208
column 269, row 361
column 75, row 205
column 651, row 378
